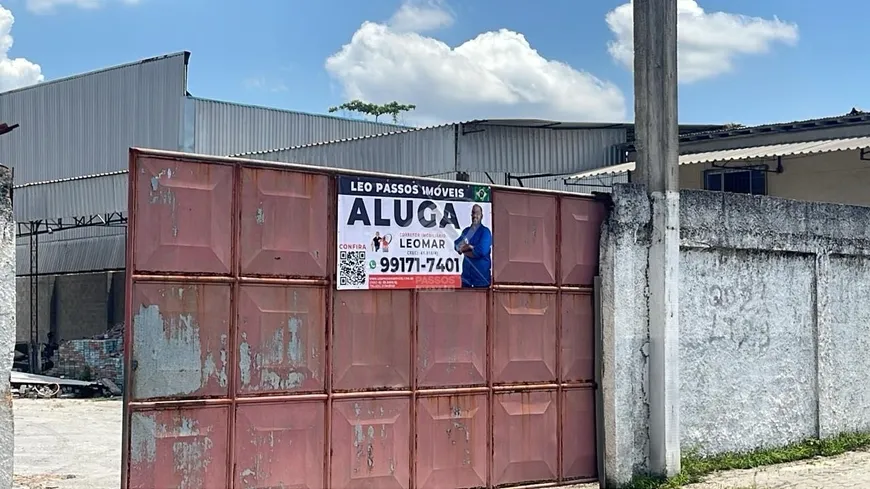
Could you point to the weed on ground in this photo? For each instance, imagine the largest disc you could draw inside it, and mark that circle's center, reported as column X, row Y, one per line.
column 695, row 467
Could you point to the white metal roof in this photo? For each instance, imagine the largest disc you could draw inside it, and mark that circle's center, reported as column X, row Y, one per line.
column 751, row 153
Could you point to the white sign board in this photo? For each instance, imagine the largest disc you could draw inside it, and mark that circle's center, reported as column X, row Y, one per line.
column 412, row 234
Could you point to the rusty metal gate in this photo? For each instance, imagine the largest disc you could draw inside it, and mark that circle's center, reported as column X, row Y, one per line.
column 247, row 369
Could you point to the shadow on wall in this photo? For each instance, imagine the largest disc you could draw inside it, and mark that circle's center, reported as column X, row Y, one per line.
column 76, row 306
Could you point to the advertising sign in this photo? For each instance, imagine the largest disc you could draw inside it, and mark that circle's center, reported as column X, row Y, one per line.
column 396, row 233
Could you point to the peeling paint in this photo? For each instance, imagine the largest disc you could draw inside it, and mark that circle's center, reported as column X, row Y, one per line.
column 264, row 444
column 169, row 357
column 281, row 362
column 210, row 368
column 261, row 216
column 143, row 430
column 190, row 447
column 245, row 360
column 191, row 461
column 190, row 450
column 165, row 196
column 358, row 436
column 364, row 439
column 295, row 349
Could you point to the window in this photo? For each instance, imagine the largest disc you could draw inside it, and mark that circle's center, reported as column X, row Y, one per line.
column 737, row 180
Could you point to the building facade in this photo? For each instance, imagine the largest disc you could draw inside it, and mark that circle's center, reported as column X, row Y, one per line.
column 822, row 160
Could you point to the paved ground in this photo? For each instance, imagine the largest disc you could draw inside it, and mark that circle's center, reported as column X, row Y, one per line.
column 67, row 444
column 76, row 444
column 848, row 471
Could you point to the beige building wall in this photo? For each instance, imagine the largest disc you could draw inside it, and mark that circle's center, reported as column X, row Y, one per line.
column 838, row 177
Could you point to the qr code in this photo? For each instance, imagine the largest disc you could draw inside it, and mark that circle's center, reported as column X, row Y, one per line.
column 352, row 268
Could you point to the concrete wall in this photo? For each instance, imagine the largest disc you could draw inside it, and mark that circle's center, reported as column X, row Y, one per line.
column 840, row 177
column 774, row 323
column 74, row 306
column 7, row 325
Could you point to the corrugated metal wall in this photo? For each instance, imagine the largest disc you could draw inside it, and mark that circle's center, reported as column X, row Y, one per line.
column 223, row 128
column 75, row 250
column 535, row 151
column 487, row 149
column 421, row 152
column 81, row 196
column 85, row 124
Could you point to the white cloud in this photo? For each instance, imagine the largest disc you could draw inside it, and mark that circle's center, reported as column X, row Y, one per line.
column 421, row 16
column 709, row 42
column 14, row 72
column 496, row 74
column 50, row 6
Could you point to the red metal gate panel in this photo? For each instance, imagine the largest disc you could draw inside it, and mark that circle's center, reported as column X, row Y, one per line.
column 247, row 369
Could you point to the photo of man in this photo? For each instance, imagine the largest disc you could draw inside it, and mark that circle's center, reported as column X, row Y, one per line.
column 475, row 245
column 376, row 242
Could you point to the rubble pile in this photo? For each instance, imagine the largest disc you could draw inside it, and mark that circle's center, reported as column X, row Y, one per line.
column 115, row 332
column 101, row 357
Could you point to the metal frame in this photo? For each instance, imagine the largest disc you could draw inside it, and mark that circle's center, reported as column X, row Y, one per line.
column 50, row 226
column 721, row 170
column 32, row 230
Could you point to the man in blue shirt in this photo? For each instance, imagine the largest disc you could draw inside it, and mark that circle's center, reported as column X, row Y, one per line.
column 475, row 245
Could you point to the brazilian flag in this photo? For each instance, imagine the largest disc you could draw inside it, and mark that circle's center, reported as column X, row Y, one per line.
column 481, row 193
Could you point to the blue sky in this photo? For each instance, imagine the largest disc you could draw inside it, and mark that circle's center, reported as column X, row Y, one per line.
column 560, row 59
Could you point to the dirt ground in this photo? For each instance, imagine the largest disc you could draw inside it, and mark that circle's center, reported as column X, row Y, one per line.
column 76, row 444
column 67, row 444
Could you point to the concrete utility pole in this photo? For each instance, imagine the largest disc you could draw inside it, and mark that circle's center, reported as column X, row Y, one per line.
column 657, row 146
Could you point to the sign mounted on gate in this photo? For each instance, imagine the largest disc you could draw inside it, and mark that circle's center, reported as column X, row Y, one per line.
column 397, row 233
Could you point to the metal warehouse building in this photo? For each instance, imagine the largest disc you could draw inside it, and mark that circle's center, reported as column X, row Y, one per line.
column 70, row 158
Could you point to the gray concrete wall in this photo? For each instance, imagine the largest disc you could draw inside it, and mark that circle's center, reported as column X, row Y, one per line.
column 774, row 323
column 7, row 325
column 75, row 306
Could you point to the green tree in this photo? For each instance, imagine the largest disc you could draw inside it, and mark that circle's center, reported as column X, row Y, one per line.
column 375, row 110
